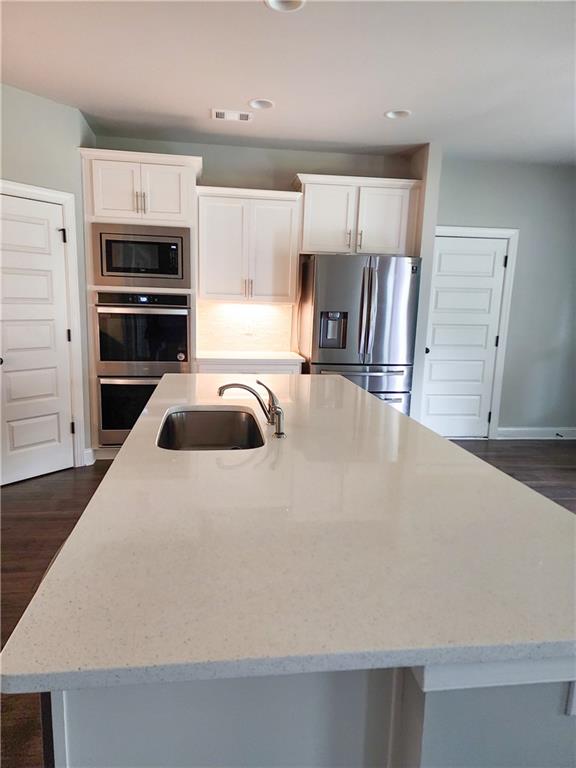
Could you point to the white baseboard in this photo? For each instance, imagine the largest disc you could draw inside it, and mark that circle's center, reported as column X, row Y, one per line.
column 89, row 457
column 536, row 433
column 106, row 453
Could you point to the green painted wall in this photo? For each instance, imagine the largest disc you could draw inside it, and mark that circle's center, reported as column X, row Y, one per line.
column 40, row 141
column 259, row 168
column 539, row 388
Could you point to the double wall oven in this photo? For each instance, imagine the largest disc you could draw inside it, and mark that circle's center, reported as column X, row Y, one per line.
column 139, row 333
column 137, row 338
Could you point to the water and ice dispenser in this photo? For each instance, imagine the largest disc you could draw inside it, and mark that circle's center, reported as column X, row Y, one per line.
column 333, row 330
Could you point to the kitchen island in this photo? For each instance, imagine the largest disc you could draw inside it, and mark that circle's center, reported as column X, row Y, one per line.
column 362, row 592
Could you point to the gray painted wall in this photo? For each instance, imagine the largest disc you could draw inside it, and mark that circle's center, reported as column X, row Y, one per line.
column 539, row 388
column 253, row 168
column 40, row 141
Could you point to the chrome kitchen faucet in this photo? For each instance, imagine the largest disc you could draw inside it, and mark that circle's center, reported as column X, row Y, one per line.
column 273, row 412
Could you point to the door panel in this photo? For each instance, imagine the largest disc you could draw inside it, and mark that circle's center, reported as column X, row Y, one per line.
column 36, row 394
column 223, row 248
column 116, row 188
column 467, row 285
column 339, row 285
column 273, row 251
column 329, row 218
column 394, row 289
column 383, row 220
column 166, row 189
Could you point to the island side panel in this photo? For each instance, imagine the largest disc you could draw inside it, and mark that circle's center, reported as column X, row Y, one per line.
column 512, row 726
column 316, row 720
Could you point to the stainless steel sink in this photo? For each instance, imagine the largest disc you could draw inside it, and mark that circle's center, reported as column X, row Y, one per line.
column 217, row 430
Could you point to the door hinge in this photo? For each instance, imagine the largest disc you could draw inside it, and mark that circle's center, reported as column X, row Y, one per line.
column 489, row 416
column 62, row 230
column 72, row 428
column 505, row 261
column 68, row 334
column 497, row 341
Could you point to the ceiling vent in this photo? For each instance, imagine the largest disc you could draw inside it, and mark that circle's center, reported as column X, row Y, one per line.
column 230, row 114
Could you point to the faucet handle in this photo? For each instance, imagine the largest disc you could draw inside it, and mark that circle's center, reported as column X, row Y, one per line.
column 272, row 399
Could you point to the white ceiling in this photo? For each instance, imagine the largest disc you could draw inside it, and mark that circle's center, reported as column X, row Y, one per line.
column 483, row 78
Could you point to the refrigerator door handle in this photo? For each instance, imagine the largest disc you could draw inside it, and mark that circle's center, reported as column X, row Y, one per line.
column 363, row 311
column 373, row 308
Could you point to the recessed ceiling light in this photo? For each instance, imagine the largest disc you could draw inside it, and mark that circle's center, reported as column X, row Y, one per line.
column 261, row 103
column 397, row 114
column 285, row 6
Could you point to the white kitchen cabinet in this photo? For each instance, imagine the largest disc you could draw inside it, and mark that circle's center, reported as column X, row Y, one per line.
column 329, row 217
column 273, row 258
column 166, row 191
column 358, row 215
column 223, row 248
column 382, row 220
column 249, row 366
column 116, row 189
column 139, row 186
column 247, row 244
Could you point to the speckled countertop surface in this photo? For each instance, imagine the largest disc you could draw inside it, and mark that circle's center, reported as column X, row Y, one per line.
column 361, row 540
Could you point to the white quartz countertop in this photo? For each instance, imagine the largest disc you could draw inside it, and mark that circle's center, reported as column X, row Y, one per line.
column 249, row 356
column 361, row 540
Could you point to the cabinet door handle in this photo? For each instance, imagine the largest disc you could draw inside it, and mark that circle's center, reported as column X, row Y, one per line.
column 360, row 234
column 251, row 288
column 143, row 202
column 137, row 196
column 348, row 238
column 245, row 288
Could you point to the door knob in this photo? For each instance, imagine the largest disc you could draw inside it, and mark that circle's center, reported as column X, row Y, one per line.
column 427, row 350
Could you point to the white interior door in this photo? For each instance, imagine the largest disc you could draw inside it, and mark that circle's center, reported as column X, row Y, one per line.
column 273, row 250
column 36, row 397
column 463, row 323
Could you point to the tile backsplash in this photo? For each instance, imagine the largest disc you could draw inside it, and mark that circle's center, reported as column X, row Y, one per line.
column 243, row 327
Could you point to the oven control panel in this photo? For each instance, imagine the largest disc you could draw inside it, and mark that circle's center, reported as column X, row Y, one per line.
column 144, row 299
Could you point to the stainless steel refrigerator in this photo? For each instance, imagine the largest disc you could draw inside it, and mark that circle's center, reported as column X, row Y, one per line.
column 357, row 318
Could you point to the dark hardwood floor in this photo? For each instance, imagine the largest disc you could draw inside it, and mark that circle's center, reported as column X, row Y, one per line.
column 547, row 466
column 38, row 515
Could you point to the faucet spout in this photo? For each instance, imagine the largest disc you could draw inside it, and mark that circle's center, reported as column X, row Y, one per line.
column 223, row 389
column 273, row 412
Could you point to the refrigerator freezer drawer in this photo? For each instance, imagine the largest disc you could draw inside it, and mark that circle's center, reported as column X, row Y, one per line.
column 383, row 378
column 399, row 401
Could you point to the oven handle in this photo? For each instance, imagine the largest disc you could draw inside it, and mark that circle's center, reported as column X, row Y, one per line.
column 140, row 311
column 134, row 381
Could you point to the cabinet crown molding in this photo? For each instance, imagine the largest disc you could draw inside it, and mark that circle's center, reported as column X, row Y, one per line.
column 302, row 179
column 258, row 194
column 142, row 157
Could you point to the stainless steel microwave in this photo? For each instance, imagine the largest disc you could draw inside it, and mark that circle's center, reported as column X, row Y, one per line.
column 141, row 257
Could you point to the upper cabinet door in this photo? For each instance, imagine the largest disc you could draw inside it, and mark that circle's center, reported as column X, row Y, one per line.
column 223, row 248
column 117, row 188
column 273, row 250
column 383, row 220
column 166, row 191
column 329, row 218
